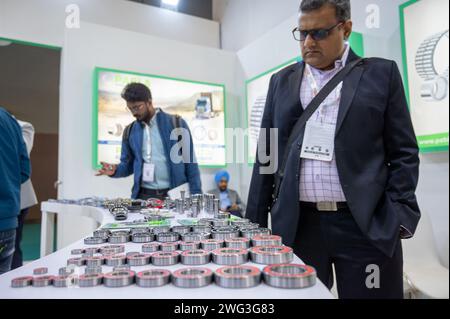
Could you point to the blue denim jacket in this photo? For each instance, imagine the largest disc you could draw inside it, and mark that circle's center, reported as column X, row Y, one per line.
column 131, row 161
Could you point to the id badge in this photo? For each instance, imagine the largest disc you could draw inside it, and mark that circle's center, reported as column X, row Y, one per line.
column 148, row 174
column 318, row 142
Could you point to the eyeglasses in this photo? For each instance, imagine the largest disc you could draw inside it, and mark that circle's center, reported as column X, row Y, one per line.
column 317, row 34
column 135, row 108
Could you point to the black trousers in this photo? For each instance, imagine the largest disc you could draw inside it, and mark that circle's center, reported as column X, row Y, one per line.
column 17, row 260
column 145, row 194
column 362, row 271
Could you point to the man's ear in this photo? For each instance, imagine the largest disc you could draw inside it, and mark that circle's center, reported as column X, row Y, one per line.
column 348, row 27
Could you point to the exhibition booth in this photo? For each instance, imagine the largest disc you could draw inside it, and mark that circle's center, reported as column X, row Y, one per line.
column 213, row 89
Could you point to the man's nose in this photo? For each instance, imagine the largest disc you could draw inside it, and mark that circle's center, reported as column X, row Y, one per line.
column 309, row 42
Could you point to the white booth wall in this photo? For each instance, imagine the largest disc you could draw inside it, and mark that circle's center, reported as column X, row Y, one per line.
column 102, row 46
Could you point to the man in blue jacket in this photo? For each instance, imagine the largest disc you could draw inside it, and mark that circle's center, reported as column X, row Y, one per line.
column 159, row 159
column 14, row 170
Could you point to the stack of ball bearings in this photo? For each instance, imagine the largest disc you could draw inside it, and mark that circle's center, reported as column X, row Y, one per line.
column 230, row 244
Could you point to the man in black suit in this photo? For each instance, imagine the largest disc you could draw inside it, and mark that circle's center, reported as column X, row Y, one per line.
column 350, row 210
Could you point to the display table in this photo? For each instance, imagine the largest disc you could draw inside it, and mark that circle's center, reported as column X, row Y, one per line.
column 58, row 259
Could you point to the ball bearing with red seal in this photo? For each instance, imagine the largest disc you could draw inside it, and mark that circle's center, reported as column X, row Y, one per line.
column 237, row 277
column 165, row 258
column 63, row 281
column 40, row 271
column 169, row 247
column 211, row 244
column 290, row 276
column 21, row 282
column 42, row 281
column 138, row 260
column 192, row 245
column 78, row 261
column 240, row 243
column 93, row 270
column 77, row 251
column 230, row 256
column 252, row 232
column 89, row 280
column 267, row 240
column 269, row 255
column 192, row 277
column 195, row 257
column 195, row 236
column 117, row 249
column 153, row 278
column 150, row 247
column 95, row 261
column 118, row 279
column 115, row 260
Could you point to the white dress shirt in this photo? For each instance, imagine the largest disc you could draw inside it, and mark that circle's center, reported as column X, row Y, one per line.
column 319, row 180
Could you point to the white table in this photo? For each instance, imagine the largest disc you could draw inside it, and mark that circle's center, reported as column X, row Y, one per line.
column 58, row 259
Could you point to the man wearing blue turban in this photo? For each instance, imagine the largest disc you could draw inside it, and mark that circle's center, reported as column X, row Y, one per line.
column 229, row 199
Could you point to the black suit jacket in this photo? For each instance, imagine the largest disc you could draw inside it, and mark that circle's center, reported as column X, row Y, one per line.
column 375, row 147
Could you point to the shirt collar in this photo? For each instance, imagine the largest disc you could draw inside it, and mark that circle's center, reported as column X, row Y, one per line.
column 153, row 120
column 339, row 63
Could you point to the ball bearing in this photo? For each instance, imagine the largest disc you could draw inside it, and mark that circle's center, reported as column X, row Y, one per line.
column 142, row 238
column 211, row 244
column 169, row 247
column 42, row 281
column 165, row 258
column 195, row 257
column 192, row 277
column 138, row 260
column 167, row 237
column 195, row 236
column 22, row 282
column 242, row 243
column 115, row 260
column 150, row 247
column 269, row 255
column 193, row 245
column 267, row 240
column 153, row 278
column 237, row 277
column 117, row 279
column 230, row 256
column 290, row 276
column 91, row 280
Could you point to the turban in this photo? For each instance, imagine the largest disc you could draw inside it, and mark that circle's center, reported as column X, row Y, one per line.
column 221, row 175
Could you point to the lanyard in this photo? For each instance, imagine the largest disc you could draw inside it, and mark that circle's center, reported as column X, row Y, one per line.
column 148, row 153
column 315, row 90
